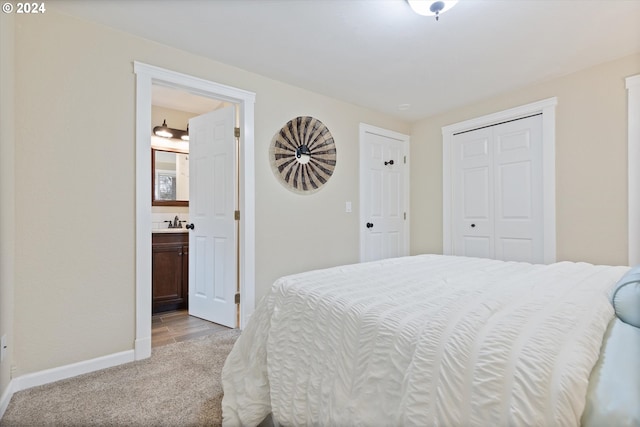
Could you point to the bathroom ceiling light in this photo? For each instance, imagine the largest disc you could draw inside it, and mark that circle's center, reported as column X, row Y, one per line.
column 167, row 132
column 430, row 7
column 163, row 130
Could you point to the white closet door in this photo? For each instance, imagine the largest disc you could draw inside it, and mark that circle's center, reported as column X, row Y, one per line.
column 473, row 195
column 497, row 191
column 518, row 188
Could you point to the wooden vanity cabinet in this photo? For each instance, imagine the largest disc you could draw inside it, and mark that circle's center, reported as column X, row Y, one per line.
column 170, row 271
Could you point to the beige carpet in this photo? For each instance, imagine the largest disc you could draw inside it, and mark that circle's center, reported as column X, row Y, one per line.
column 178, row 386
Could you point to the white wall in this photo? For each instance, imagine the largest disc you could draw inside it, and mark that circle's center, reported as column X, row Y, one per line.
column 75, row 195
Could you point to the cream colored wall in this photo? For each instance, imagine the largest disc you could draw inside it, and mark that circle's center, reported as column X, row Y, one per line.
column 302, row 232
column 75, row 195
column 7, row 196
column 591, row 162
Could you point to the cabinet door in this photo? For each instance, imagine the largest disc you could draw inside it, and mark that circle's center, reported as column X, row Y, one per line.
column 167, row 277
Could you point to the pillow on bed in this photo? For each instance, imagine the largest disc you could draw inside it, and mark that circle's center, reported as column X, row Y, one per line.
column 614, row 392
column 626, row 297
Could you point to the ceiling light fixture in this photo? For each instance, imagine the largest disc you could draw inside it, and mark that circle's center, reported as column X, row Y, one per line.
column 167, row 132
column 430, row 7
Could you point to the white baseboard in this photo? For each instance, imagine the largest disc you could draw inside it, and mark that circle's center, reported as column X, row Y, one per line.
column 63, row 372
column 6, row 398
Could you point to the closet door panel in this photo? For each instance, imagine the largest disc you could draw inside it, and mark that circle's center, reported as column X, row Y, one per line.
column 518, row 187
column 473, row 195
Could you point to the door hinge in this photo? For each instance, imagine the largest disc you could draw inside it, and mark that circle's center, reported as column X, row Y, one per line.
column 236, row 132
column 236, row 215
column 405, row 216
column 405, row 160
column 237, row 299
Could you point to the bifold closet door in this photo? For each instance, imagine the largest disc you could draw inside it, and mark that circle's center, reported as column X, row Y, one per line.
column 473, row 194
column 497, row 191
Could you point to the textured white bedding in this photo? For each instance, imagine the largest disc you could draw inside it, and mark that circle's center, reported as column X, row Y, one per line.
column 424, row 340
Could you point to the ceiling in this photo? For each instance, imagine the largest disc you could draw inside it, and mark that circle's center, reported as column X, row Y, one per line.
column 378, row 53
column 179, row 100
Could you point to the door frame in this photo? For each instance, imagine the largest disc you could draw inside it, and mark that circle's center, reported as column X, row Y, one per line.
column 405, row 139
column 146, row 76
column 548, row 109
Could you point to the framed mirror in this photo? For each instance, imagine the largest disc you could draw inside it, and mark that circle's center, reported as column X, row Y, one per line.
column 169, row 178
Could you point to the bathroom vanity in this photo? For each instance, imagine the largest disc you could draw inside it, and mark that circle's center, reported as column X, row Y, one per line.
column 170, row 270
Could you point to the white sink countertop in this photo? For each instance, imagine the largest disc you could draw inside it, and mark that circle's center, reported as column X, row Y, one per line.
column 169, row 230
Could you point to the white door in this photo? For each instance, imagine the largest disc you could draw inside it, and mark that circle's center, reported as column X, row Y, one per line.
column 497, row 192
column 473, row 195
column 212, row 234
column 384, row 194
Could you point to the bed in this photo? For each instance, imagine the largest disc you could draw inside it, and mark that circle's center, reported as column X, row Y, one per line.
column 443, row 341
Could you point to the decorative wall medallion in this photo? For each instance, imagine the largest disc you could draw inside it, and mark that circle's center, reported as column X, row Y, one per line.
column 303, row 154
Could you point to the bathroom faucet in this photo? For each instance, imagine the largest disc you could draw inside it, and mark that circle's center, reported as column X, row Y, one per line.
column 176, row 223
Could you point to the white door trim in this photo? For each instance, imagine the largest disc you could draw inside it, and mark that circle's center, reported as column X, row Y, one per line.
column 548, row 109
column 633, row 99
column 365, row 128
column 146, row 76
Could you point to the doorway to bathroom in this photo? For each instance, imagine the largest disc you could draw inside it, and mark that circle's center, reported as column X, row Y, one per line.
column 211, row 275
column 194, row 196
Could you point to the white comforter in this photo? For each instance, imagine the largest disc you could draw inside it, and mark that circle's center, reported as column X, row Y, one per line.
column 420, row 341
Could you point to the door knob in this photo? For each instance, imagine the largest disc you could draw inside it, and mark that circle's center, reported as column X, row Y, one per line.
column 189, row 226
column 473, row 225
column 390, row 162
column 369, row 225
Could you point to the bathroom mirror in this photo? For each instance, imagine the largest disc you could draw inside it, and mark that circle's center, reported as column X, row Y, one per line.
column 169, row 178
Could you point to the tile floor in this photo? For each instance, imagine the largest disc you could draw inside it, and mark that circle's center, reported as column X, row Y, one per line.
column 174, row 326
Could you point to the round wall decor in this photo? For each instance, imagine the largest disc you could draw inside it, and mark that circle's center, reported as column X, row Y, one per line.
column 303, row 155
